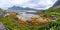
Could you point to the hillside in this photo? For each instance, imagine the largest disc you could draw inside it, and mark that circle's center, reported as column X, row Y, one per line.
column 55, row 12
column 57, row 3
column 55, row 24
column 10, row 23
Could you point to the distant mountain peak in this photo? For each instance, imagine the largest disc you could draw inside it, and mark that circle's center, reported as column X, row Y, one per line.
column 20, row 8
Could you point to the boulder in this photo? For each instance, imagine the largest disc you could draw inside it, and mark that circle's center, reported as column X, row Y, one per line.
column 2, row 27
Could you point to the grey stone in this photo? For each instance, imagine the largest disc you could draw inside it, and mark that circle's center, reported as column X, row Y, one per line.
column 2, row 27
column 53, row 17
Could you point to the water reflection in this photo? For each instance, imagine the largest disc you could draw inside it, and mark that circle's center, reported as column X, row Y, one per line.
column 25, row 15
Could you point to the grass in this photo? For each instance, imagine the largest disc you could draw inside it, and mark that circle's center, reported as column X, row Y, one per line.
column 54, row 25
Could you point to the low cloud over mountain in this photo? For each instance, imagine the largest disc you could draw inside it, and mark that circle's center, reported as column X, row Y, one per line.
column 20, row 8
column 37, row 4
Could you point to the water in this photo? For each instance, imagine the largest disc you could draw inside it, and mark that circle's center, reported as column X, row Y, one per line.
column 26, row 16
column 23, row 14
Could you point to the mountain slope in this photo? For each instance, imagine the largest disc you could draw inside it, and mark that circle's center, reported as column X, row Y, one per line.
column 57, row 4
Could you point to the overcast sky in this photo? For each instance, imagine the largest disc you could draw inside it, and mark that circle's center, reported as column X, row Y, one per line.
column 38, row 4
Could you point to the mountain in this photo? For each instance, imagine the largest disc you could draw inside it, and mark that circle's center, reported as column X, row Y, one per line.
column 57, row 4
column 20, row 8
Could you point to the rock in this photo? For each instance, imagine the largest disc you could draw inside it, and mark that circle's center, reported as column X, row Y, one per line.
column 2, row 27
column 53, row 17
column 2, row 14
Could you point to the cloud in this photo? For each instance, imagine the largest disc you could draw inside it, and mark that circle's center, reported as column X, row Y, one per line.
column 38, row 4
column 41, row 4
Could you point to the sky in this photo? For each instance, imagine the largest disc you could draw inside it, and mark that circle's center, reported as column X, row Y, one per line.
column 37, row 4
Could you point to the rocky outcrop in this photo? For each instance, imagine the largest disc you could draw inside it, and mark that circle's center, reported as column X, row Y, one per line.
column 2, row 27
column 2, row 14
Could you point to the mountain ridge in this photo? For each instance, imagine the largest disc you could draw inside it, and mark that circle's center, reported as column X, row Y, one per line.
column 20, row 8
column 57, row 4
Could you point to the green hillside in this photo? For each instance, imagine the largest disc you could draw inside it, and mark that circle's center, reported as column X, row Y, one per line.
column 54, row 25
column 55, row 12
